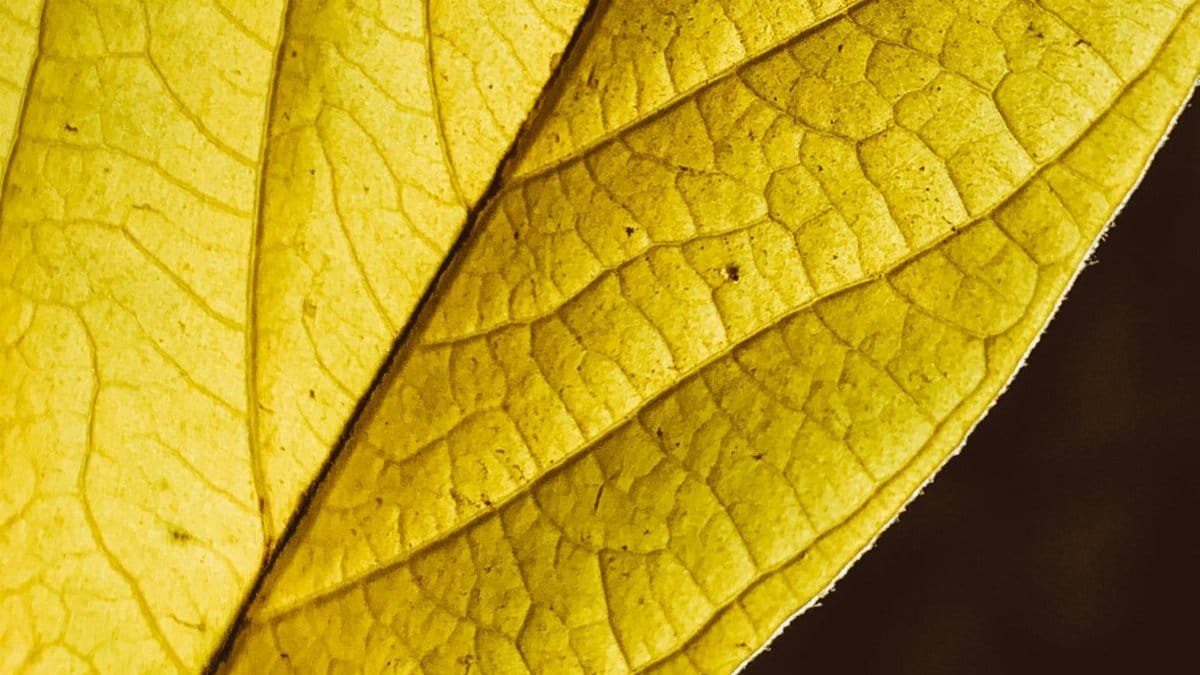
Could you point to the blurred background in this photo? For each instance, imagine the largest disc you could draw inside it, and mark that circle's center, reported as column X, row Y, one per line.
column 1065, row 537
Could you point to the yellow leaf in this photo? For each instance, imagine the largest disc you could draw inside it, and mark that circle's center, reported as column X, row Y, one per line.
column 214, row 218
column 698, row 352
column 754, row 272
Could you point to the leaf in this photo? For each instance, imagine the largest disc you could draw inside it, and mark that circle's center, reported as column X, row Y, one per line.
column 680, row 376
column 752, row 275
column 214, row 218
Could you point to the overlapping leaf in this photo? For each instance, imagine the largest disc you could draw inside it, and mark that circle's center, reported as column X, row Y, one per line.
column 681, row 374
column 754, row 272
column 215, row 216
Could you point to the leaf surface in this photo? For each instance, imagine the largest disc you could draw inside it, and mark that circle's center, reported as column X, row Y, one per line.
column 696, row 355
column 214, row 218
column 753, row 272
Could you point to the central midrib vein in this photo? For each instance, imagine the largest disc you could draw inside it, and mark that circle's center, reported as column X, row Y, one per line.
column 251, row 345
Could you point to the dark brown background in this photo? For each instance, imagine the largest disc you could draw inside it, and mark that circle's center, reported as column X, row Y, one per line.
column 1064, row 537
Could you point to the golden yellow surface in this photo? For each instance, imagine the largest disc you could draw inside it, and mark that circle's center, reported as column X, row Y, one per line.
column 755, row 271
column 215, row 217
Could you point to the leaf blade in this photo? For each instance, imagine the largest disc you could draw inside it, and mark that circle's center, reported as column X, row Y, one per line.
column 370, row 175
column 161, row 411
column 990, row 281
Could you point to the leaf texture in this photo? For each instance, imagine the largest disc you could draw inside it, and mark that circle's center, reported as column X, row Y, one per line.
column 214, row 217
column 637, row 57
column 752, row 272
column 698, row 352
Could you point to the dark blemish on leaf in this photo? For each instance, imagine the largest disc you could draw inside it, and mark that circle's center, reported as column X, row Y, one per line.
column 840, row 48
column 733, row 272
column 312, row 393
column 599, row 493
column 758, row 456
column 312, row 172
column 179, row 535
column 628, row 231
column 294, row 53
column 70, row 127
column 658, row 432
column 1082, row 43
